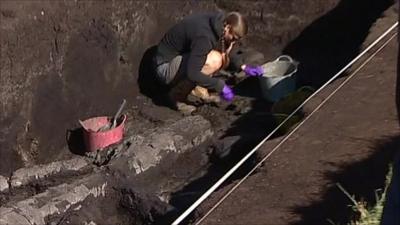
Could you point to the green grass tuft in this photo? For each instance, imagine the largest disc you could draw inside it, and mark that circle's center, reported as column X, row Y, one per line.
column 369, row 215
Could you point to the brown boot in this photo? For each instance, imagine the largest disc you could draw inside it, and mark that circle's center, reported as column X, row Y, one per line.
column 204, row 95
column 200, row 92
column 185, row 109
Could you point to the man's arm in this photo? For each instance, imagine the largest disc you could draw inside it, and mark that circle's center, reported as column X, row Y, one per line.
column 197, row 58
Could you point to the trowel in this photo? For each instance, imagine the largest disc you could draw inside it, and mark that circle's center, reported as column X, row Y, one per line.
column 113, row 123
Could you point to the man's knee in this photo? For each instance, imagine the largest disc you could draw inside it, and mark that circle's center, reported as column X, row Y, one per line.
column 214, row 61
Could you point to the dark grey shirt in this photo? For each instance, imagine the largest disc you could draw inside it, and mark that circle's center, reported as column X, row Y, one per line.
column 196, row 35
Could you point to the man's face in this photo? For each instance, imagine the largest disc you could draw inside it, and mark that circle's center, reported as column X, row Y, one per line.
column 229, row 35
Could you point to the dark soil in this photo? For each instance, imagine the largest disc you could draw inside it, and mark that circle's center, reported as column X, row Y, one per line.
column 86, row 56
column 351, row 141
column 296, row 186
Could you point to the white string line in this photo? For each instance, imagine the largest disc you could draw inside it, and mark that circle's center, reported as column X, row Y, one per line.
column 235, row 167
column 292, row 132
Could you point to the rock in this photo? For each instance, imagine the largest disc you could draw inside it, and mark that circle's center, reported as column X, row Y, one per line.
column 3, row 183
column 223, row 147
column 90, row 223
column 144, row 152
column 9, row 217
column 59, row 199
column 27, row 174
column 148, row 206
column 176, row 138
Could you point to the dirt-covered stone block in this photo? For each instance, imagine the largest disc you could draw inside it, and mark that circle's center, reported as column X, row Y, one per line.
column 27, row 174
column 55, row 200
column 178, row 137
column 8, row 216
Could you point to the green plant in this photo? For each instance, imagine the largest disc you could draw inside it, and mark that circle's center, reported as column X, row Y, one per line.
column 369, row 215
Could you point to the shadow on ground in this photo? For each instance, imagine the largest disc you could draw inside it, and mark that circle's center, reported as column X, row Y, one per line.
column 392, row 203
column 398, row 78
column 322, row 49
column 362, row 179
column 332, row 41
column 75, row 141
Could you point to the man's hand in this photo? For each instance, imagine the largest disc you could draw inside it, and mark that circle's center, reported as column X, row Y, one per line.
column 225, row 61
column 227, row 93
column 253, row 71
column 230, row 47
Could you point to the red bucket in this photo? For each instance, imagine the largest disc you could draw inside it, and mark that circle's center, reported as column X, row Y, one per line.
column 95, row 139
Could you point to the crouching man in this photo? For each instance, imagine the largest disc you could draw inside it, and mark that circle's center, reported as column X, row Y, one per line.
column 193, row 50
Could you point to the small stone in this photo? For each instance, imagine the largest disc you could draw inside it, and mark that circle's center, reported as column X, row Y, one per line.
column 3, row 184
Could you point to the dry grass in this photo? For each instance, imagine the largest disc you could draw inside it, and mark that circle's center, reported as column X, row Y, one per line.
column 369, row 215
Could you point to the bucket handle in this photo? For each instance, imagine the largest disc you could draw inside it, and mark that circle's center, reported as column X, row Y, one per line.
column 285, row 58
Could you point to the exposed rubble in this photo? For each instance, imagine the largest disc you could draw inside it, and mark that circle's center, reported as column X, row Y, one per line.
column 27, row 174
column 84, row 56
column 176, row 138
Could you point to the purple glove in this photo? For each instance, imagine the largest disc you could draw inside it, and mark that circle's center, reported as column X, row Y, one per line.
column 253, row 71
column 227, row 93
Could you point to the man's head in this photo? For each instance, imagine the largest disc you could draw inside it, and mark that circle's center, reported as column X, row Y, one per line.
column 235, row 27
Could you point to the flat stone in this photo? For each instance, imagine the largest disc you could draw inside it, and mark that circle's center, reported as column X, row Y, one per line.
column 59, row 199
column 8, row 216
column 90, row 223
column 176, row 138
column 3, row 183
column 27, row 174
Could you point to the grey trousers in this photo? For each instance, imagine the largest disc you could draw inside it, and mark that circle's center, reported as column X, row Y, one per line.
column 167, row 72
column 173, row 75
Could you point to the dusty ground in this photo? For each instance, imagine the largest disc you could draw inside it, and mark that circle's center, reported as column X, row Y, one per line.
column 350, row 141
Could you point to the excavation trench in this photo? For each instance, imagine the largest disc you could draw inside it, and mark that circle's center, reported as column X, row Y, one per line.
column 84, row 57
